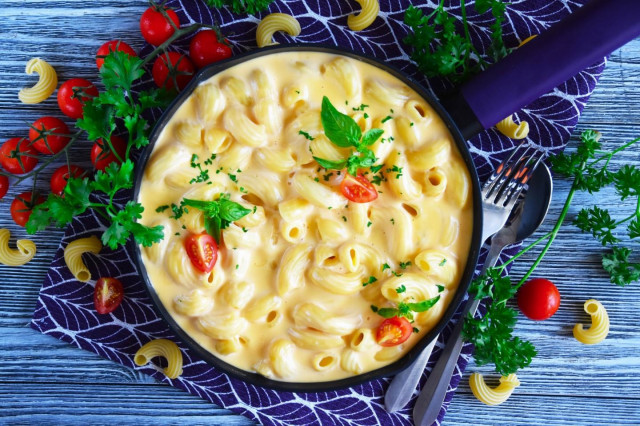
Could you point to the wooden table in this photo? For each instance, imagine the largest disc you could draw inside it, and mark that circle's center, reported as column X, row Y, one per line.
column 43, row 380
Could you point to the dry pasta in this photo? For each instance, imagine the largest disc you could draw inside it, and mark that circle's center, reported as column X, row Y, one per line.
column 599, row 324
column 276, row 22
column 368, row 14
column 493, row 396
column 15, row 257
column 73, row 256
column 45, row 86
column 513, row 130
column 164, row 348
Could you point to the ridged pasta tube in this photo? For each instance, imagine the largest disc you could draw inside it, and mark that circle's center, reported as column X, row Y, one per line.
column 493, row 396
column 224, row 326
column 45, row 86
column 164, row 348
column 418, row 288
column 276, row 22
column 193, row 304
column 15, row 257
column 599, row 324
column 335, row 282
column 513, row 130
column 291, row 273
column 282, row 359
column 312, row 339
column 73, row 256
column 368, row 14
column 314, row 316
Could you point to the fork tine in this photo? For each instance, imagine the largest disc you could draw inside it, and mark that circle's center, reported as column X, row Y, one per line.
column 503, row 171
column 509, row 193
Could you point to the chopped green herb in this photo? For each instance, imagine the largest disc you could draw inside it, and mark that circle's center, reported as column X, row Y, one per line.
column 385, row 266
column 442, row 262
column 344, row 218
column 369, row 224
column 374, row 308
column 233, row 177
column 393, row 221
column 401, row 289
column 396, row 274
column 387, row 118
column 162, row 208
column 361, row 107
column 371, row 280
column 306, row 135
column 415, row 330
column 440, row 288
column 403, row 265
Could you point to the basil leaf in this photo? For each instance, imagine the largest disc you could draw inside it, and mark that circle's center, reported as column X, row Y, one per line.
column 328, row 164
column 213, row 225
column 425, row 305
column 387, row 312
column 232, row 211
column 371, row 136
column 341, row 129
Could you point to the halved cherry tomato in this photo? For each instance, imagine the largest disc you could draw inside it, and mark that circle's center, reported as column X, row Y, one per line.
column 202, row 250
column 107, row 295
column 102, row 156
column 4, row 186
column 393, row 331
column 205, row 48
column 112, row 46
column 172, row 67
column 73, row 94
column 22, row 206
column 155, row 27
column 61, row 176
column 357, row 188
column 46, row 135
column 15, row 156
column 538, row 299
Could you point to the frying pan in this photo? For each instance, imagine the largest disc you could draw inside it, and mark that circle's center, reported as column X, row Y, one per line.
column 582, row 39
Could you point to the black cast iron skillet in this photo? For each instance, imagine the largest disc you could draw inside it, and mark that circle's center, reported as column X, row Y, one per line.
column 522, row 77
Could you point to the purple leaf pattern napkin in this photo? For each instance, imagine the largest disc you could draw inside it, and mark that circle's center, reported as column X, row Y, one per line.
column 65, row 307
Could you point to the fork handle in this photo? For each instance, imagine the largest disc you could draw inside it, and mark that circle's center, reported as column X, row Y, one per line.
column 432, row 396
column 560, row 52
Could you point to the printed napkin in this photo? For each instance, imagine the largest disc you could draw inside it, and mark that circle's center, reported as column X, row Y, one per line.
column 65, row 307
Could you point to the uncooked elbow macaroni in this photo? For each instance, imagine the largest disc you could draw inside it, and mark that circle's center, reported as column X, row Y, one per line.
column 291, row 293
column 46, row 85
column 599, row 324
column 513, row 130
column 25, row 251
column 164, row 348
column 368, row 14
column 493, row 396
column 276, row 22
column 73, row 256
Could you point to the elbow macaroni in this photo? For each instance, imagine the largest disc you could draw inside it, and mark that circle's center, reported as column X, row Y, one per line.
column 512, row 130
column 73, row 256
column 493, row 396
column 368, row 14
column 25, row 251
column 599, row 324
column 276, row 22
column 164, row 348
column 45, row 86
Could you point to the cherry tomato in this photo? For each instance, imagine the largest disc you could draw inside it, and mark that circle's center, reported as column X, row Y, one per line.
column 22, row 205
column 538, row 299
column 112, row 46
column 205, row 49
column 102, row 156
column 393, row 331
column 73, row 94
column 172, row 67
column 155, row 27
column 46, row 135
column 61, row 176
column 107, row 295
column 202, row 250
column 358, row 189
column 15, row 156
column 4, row 186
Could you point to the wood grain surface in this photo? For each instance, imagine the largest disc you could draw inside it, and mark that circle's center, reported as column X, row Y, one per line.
column 46, row 381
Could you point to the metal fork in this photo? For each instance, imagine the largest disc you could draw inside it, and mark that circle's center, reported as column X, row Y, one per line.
column 499, row 195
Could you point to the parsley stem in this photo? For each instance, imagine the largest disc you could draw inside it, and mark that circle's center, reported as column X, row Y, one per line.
column 526, row 249
column 176, row 34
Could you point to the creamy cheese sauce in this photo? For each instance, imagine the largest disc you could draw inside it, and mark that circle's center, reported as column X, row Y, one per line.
column 287, row 297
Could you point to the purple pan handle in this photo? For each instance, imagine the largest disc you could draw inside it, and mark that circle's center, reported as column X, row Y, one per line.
column 582, row 39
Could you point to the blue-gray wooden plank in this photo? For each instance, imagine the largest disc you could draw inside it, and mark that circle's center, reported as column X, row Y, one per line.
column 43, row 380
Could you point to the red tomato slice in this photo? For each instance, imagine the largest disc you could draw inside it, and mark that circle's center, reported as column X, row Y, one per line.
column 112, row 46
column 16, row 156
column 107, row 295
column 357, row 188
column 73, row 94
column 102, row 156
column 538, row 299
column 4, row 186
column 155, row 27
column 47, row 135
column 171, row 68
column 393, row 331
column 22, row 205
column 61, row 176
column 202, row 250
column 205, row 49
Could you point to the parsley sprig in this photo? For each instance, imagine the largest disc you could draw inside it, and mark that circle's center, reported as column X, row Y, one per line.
column 405, row 309
column 588, row 166
column 344, row 132
column 241, row 6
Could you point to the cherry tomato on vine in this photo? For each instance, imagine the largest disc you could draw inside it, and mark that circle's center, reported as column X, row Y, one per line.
column 4, row 186
column 202, row 250
column 358, row 189
column 538, row 299
column 15, row 156
column 102, row 156
column 46, row 135
column 107, row 295
column 61, row 176
column 155, row 27
column 113, row 46
column 393, row 331
column 205, row 48
column 22, row 205
column 172, row 67
column 73, row 94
